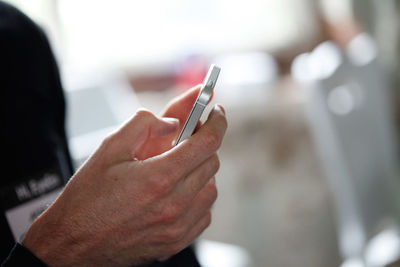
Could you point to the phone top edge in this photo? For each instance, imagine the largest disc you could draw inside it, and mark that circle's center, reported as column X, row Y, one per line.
column 208, row 84
column 212, row 75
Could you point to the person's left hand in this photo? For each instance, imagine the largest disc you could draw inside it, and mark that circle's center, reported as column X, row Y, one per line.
column 178, row 108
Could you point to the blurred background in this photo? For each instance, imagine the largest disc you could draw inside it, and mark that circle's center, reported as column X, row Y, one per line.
column 309, row 166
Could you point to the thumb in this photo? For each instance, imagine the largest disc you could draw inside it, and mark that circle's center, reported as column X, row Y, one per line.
column 138, row 129
column 164, row 127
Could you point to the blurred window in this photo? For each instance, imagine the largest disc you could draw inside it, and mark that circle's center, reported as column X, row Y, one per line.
column 105, row 33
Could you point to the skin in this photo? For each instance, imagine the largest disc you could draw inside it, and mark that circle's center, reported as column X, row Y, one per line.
column 138, row 198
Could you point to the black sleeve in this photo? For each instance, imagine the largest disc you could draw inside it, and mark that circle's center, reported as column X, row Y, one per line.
column 21, row 256
column 32, row 110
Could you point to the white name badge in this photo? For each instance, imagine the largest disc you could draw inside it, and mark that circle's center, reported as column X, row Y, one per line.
column 28, row 199
column 21, row 217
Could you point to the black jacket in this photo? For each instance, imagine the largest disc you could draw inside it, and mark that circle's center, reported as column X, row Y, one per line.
column 32, row 111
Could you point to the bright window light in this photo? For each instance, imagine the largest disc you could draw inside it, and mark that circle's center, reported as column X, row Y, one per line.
column 91, row 34
column 130, row 33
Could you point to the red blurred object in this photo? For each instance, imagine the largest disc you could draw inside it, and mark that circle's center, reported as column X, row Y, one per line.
column 191, row 72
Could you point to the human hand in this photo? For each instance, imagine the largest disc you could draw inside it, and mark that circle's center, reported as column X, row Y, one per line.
column 178, row 108
column 119, row 210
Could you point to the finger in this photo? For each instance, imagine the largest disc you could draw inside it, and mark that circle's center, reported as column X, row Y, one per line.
column 181, row 106
column 201, row 204
column 191, row 235
column 193, row 151
column 195, row 210
column 141, row 126
column 190, row 186
column 216, row 122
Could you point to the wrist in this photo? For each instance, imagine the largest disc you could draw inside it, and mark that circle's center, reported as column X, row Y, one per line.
column 50, row 241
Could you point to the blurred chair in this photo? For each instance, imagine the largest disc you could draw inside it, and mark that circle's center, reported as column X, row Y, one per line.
column 349, row 113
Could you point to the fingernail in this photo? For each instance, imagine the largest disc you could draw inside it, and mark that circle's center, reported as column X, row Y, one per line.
column 170, row 120
column 219, row 108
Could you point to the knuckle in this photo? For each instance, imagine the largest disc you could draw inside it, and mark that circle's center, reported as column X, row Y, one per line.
column 213, row 192
column 215, row 164
column 171, row 213
column 107, row 141
column 108, row 147
column 143, row 113
column 172, row 169
column 211, row 140
column 160, row 186
column 174, row 233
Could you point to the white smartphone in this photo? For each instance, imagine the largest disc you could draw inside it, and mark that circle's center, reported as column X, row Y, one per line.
column 204, row 96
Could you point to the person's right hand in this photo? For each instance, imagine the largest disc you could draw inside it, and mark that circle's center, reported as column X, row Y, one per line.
column 178, row 108
column 118, row 210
